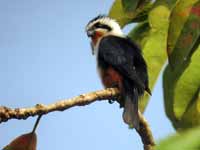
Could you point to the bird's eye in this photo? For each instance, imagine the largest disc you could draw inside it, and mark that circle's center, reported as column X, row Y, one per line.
column 103, row 26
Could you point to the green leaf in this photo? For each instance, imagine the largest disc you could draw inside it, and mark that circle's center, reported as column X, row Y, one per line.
column 158, row 18
column 181, row 89
column 184, row 30
column 130, row 5
column 117, row 12
column 172, row 3
column 23, row 142
column 188, row 140
column 124, row 17
column 140, row 33
column 154, row 45
column 191, row 116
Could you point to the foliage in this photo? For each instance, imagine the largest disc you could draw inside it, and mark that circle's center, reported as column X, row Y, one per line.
column 170, row 29
column 188, row 140
column 182, row 76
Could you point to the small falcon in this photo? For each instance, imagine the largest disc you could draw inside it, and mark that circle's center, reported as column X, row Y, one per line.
column 120, row 64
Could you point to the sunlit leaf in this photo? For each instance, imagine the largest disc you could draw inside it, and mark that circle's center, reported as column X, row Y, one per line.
column 181, row 89
column 118, row 12
column 184, row 30
column 191, row 116
column 188, row 140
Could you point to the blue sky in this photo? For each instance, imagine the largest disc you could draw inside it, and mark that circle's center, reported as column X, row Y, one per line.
column 45, row 56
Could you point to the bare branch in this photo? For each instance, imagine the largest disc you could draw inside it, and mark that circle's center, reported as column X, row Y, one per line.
column 145, row 133
column 40, row 109
column 81, row 100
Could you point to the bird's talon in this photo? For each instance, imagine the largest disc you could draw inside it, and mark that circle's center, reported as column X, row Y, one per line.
column 111, row 101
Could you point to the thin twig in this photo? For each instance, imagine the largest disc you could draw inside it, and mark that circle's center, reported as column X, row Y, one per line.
column 81, row 100
column 36, row 123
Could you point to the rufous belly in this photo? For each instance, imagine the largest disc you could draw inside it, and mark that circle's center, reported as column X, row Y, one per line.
column 111, row 78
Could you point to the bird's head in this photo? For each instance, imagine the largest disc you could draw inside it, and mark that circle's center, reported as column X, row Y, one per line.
column 102, row 26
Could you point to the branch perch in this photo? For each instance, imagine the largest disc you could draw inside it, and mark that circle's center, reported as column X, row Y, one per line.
column 145, row 133
column 81, row 100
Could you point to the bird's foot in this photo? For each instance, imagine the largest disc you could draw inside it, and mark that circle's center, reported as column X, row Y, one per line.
column 111, row 101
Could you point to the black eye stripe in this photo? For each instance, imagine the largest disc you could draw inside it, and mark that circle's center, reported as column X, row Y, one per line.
column 104, row 26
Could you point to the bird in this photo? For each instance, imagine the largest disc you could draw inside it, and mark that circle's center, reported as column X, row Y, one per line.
column 120, row 64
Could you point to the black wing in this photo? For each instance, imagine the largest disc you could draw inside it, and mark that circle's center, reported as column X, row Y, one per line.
column 123, row 55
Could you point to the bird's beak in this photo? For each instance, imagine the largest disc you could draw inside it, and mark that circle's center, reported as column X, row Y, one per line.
column 90, row 33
